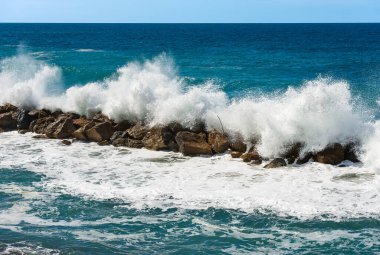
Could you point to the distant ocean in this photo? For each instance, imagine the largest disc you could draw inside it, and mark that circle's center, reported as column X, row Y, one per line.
column 279, row 83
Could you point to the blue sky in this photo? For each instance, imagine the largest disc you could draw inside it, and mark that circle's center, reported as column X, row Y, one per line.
column 193, row 11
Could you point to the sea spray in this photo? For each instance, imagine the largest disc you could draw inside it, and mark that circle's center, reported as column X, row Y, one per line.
column 320, row 112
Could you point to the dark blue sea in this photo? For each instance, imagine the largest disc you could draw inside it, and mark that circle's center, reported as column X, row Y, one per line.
column 281, row 83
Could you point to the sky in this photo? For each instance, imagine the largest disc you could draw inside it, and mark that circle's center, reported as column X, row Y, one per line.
column 190, row 11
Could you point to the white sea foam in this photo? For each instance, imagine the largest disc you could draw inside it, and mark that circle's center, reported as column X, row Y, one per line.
column 149, row 179
column 320, row 112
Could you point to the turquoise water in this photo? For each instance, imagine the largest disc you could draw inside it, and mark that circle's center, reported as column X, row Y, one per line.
column 86, row 199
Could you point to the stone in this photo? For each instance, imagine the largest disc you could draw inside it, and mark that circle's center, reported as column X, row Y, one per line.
column 42, row 136
column 256, row 162
column 292, row 152
column 138, row 131
column 251, row 155
column 132, row 143
column 8, row 108
column 81, row 122
column 123, row 125
column 158, row 138
column 303, row 159
column 38, row 114
column 333, row 154
column 80, row 133
column 219, row 142
column 60, row 129
column 238, row 145
column 103, row 143
column 277, row 162
column 350, row 152
column 66, row 142
column 100, row 132
column 24, row 119
column 191, row 144
column 236, row 154
column 39, row 125
column 8, row 120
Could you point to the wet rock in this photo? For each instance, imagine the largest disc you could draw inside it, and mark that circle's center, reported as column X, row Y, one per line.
column 175, row 127
column 8, row 108
column 8, row 120
column 158, row 138
column 39, row 125
column 80, row 133
column 332, row 154
column 100, row 132
column 103, row 143
column 132, row 143
column 191, row 144
column 138, row 131
column 350, row 152
column 100, row 117
column 256, row 162
column 236, row 154
column 219, row 142
column 123, row 125
column 38, row 114
column 81, row 122
column 249, row 156
column 60, row 129
column 238, row 145
column 42, row 136
column 66, row 142
column 24, row 119
column 277, row 162
column 117, row 142
column 292, row 152
column 303, row 159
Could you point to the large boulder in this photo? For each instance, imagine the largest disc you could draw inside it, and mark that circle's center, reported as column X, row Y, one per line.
column 332, row 154
column 60, row 129
column 8, row 120
column 24, row 119
column 277, row 162
column 292, row 152
column 304, row 158
column 138, row 131
column 219, row 142
column 251, row 155
column 39, row 125
column 100, row 132
column 38, row 114
column 81, row 122
column 238, row 145
column 191, row 144
column 350, row 152
column 123, row 125
column 8, row 108
column 158, row 138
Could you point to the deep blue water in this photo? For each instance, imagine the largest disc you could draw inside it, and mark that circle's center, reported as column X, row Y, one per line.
column 241, row 58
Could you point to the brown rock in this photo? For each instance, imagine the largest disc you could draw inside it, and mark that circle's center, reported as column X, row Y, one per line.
column 40, row 136
column 256, row 162
column 238, row 145
column 103, row 143
column 60, row 129
column 332, row 154
column 80, row 133
column 24, row 119
column 100, row 132
column 158, row 138
column 236, row 154
column 38, row 114
column 191, row 144
column 8, row 120
column 219, row 142
column 249, row 156
column 39, row 125
column 81, row 122
column 277, row 162
column 304, row 159
column 292, row 152
column 123, row 125
column 100, row 117
column 350, row 152
column 66, row 142
column 131, row 143
column 8, row 108
column 138, row 131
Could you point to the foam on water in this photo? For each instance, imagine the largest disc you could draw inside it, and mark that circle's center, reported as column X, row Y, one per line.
column 148, row 179
column 320, row 112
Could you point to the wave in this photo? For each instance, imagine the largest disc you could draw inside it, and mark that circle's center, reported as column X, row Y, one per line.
column 320, row 112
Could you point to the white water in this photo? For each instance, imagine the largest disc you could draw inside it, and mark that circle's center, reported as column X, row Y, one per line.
column 322, row 111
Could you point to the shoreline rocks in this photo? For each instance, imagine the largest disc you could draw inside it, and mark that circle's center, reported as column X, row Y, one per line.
column 195, row 141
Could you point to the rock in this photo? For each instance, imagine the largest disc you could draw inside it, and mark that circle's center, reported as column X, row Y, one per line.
column 219, row 142
column 175, row 127
column 40, row 136
column 80, row 133
column 123, row 125
column 60, row 129
column 350, row 153
column 249, row 156
column 100, row 117
column 8, row 108
column 39, row 125
column 256, row 162
column 238, row 145
column 38, row 114
column 66, row 142
column 100, row 132
column 2, row 130
column 236, row 154
column 158, row 138
column 23, row 131
column 304, row 159
column 116, row 135
column 277, row 162
column 191, row 144
column 127, row 142
column 81, row 122
column 138, row 131
column 292, row 152
column 8, row 120
column 332, row 154
column 103, row 143
column 24, row 119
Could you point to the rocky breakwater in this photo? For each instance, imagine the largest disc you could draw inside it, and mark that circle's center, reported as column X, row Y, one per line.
column 194, row 141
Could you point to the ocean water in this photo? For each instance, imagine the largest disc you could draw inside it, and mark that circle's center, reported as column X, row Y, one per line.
column 279, row 83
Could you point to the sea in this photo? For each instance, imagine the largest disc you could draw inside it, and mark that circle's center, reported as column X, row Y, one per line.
column 275, row 84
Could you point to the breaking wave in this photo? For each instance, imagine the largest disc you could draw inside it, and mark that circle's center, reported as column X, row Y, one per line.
column 320, row 112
